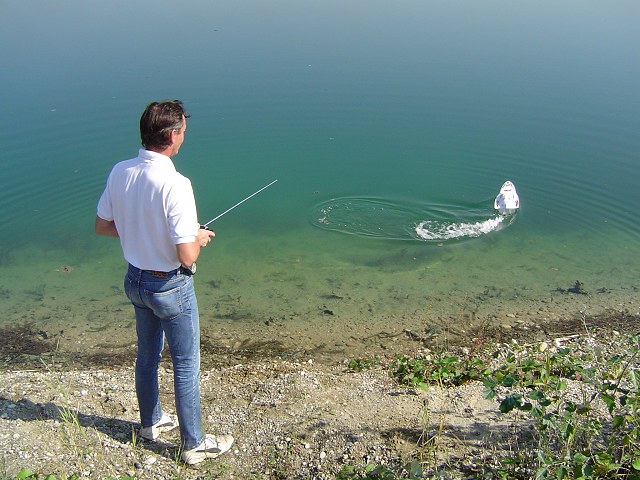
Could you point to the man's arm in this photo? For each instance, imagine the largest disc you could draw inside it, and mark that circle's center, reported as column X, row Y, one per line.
column 106, row 227
column 188, row 252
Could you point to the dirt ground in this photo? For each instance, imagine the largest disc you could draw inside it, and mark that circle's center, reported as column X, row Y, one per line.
column 291, row 418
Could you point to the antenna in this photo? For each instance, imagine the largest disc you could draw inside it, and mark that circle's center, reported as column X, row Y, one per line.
column 240, row 202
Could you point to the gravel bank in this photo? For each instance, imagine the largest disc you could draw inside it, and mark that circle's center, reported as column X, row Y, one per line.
column 290, row 420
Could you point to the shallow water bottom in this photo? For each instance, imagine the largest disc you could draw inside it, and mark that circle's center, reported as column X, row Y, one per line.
column 305, row 298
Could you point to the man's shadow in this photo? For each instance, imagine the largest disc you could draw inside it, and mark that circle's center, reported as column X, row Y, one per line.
column 122, row 431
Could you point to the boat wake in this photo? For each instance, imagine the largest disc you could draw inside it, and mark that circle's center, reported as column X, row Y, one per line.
column 406, row 220
column 436, row 230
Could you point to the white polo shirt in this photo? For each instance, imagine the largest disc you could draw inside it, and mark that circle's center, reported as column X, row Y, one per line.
column 153, row 208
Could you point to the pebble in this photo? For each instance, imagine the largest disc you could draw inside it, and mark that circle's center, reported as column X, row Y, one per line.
column 318, row 439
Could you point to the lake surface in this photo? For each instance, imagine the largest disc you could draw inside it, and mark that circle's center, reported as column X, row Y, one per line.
column 390, row 127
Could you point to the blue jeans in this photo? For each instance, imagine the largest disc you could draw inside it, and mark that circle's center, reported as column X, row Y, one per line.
column 167, row 307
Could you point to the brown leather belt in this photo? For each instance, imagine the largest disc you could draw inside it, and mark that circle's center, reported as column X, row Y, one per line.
column 155, row 273
column 180, row 269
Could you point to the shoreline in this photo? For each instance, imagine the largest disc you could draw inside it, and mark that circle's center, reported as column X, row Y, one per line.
column 225, row 343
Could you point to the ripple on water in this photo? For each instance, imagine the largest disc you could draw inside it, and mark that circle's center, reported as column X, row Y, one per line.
column 408, row 220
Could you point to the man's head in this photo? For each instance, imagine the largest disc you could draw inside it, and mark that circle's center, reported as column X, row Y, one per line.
column 162, row 126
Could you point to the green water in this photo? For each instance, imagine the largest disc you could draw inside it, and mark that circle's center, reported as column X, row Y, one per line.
column 391, row 114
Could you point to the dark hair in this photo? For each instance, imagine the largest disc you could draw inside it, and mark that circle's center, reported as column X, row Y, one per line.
column 157, row 122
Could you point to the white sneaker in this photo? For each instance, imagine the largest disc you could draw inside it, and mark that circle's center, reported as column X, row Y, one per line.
column 165, row 424
column 212, row 447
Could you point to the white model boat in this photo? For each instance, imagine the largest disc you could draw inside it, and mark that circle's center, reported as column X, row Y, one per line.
column 507, row 201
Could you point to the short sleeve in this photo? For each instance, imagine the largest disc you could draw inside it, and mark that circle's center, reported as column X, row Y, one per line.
column 182, row 216
column 104, row 209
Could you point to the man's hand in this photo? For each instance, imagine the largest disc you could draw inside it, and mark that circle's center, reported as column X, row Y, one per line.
column 188, row 252
column 205, row 236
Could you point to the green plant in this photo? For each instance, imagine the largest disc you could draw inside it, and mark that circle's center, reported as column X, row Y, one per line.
column 588, row 431
column 26, row 474
column 411, row 471
column 80, row 440
column 443, row 369
column 359, row 364
column 428, row 440
column 582, row 401
column 4, row 474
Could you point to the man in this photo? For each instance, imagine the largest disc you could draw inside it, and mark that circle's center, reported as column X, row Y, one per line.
column 150, row 207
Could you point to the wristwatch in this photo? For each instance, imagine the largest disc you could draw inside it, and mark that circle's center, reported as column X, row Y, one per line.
column 190, row 270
